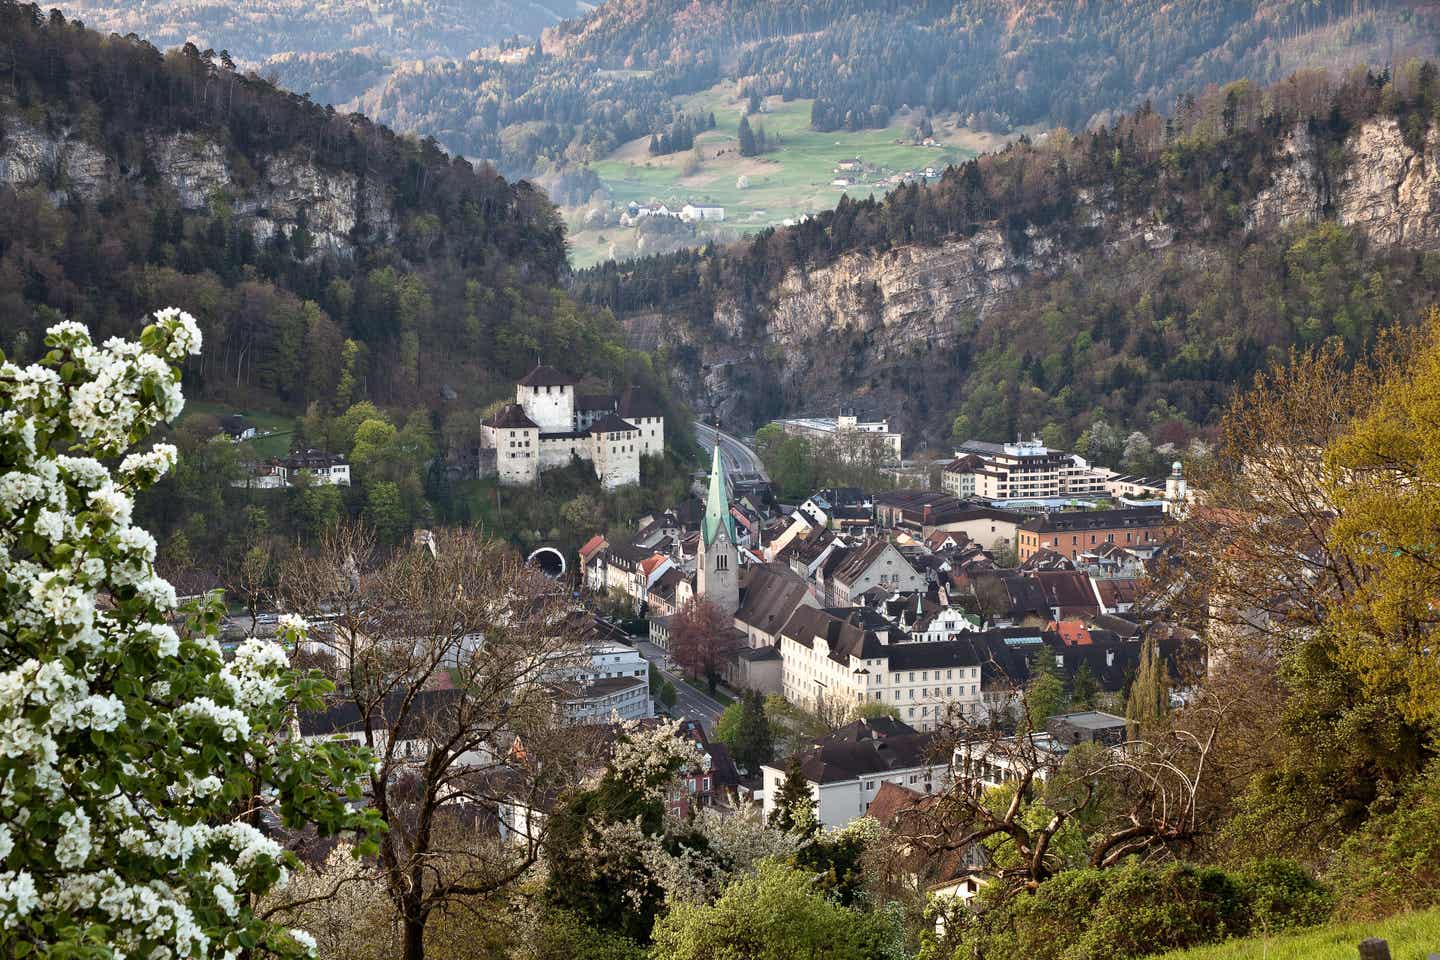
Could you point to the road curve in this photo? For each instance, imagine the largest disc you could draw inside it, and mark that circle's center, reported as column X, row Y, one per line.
column 738, row 458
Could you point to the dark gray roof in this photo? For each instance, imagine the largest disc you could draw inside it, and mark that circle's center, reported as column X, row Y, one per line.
column 1075, row 520
column 610, row 423
column 547, row 376
column 512, row 417
column 595, row 401
column 312, row 460
column 866, row 747
column 635, row 402
column 770, row 595
column 342, row 715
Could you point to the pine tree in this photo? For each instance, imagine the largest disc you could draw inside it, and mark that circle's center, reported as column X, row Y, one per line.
column 754, row 742
column 794, row 804
column 1149, row 700
column 1084, row 688
column 747, row 139
column 654, row 144
column 1045, row 693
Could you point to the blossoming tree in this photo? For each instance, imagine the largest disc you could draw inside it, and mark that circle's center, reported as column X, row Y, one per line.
column 136, row 764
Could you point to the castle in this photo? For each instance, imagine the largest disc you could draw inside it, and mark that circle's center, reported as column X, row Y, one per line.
column 548, row 425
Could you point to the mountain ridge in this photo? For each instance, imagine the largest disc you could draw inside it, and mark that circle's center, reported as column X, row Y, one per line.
column 973, row 297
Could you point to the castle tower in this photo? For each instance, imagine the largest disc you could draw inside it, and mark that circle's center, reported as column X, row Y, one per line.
column 717, row 563
column 548, row 398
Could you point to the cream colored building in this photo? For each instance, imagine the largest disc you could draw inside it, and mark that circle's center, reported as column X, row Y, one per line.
column 545, row 429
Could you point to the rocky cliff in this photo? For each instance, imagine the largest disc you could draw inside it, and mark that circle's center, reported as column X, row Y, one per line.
column 287, row 191
column 895, row 325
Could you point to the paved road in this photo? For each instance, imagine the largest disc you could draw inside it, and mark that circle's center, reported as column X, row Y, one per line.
column 689, row 702
column 739, row 459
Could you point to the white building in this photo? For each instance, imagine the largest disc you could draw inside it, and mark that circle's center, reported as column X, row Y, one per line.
column 548, row 427
column 319, row 468
column 846, row 769
column 693, row 212
column 1023, row 470
column 616, row 682
column 849, row 656
column 855, row 439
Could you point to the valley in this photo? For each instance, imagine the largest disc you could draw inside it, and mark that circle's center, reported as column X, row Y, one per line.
column 796, row 179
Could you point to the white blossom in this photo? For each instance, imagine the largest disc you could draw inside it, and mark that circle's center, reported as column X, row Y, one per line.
column 90, row 688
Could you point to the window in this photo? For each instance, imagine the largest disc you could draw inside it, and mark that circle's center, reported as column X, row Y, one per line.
column 949, row 691
column 912, row 711
column 722, row 562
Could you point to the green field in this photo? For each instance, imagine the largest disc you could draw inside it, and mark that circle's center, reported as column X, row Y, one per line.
column 1412, row 936
column 785, row 184
column 276, row 429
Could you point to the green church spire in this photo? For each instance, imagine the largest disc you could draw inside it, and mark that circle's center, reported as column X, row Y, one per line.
column 717, row 505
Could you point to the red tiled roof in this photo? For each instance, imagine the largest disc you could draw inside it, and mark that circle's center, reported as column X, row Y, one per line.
column 592, row 545
column 1073, row 632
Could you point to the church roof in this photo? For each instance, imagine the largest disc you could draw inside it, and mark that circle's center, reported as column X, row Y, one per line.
column 717, row 505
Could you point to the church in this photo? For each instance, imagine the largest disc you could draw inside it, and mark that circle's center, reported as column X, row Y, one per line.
column 548, row 426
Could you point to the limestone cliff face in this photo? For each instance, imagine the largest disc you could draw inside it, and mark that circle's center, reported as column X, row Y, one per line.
column 288, row 188
column 859, row 323
column 1386, row 190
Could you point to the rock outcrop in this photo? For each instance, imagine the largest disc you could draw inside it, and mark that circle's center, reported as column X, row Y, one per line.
column 825, row 333
column 290, row 190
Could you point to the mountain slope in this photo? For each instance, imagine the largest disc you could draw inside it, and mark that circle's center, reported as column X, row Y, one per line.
column 138, row 179
column 1133, row 275
column 609, row 77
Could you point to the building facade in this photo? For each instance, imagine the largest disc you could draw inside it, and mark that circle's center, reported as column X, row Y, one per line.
column 1074, row 533
column 1023, row 470
column 548, row 427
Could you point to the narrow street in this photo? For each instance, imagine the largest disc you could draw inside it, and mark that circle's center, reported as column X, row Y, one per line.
column 689, row 702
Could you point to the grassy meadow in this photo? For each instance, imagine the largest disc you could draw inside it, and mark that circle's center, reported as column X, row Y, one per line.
column 1412, row 936
column 787, row 183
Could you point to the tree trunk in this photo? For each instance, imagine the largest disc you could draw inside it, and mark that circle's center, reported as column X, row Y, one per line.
column 413, row 942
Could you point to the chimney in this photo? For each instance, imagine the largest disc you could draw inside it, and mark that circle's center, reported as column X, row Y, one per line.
column 925, row 515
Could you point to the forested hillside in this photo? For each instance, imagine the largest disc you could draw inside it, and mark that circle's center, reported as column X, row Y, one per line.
column 340, row 273
column 261, row 30
column 606, row 78
column 1075, row 285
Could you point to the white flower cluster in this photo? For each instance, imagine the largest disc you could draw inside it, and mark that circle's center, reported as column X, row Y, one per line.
column 107, row 693
column 655, row 756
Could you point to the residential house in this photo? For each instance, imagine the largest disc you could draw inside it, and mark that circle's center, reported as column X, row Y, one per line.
column 1071, row 533
column 846, row 769
column 876, row 564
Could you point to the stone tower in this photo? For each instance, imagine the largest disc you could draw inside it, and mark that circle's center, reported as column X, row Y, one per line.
column 717, row 563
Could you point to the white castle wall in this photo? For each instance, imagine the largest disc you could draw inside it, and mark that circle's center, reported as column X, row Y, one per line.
column 552, row 408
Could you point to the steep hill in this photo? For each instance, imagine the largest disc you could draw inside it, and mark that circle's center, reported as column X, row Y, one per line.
column 611, row 76
column 327, row 258
column 260, row 32
column 1132, row 275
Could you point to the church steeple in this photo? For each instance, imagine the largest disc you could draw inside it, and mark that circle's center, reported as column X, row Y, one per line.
column 717, row 561
column 717, row 505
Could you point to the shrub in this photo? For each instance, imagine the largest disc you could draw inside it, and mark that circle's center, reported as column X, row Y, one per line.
column 1392, row 864
column 1283, row 895
column 1145, row 911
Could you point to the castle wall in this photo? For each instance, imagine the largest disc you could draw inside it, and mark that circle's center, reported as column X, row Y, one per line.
column 517, row 453
column 652, row 435
column 558, row 451
column 617, row 459
column 552, row 408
